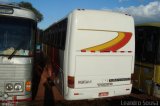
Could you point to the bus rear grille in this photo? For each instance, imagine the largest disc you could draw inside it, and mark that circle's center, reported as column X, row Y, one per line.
column 15, row 71
column 1, row 84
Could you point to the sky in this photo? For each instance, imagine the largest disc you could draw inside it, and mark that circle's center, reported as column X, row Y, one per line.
column 54, row 10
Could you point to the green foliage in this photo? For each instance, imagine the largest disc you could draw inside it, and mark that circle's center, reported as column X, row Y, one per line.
column 29, row 6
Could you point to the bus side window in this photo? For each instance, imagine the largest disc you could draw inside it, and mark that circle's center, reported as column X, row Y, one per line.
column 64, row 34
column 45, row 38
column 56, row 37
column 52, row 38
column 49, row 39
column 59, row 34
column 53, row 35
column 63, row 39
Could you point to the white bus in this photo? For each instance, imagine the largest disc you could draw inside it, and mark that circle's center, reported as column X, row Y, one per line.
column 17, row 40
column 92, row 53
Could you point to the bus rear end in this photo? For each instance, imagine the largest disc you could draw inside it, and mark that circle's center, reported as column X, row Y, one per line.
column 101, row 55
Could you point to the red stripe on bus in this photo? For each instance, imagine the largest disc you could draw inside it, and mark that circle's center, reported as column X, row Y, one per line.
column 76, row 93
column 122, row 43
column 83, row 50
column 92, row 51
column 104, row 51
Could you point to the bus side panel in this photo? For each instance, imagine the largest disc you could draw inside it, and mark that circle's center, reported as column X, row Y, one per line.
column 67, row 51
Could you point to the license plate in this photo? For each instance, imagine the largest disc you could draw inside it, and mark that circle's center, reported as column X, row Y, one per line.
column 103, row 94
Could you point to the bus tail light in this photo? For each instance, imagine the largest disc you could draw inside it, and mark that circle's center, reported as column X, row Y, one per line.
column 70, row 81
column 28, row 86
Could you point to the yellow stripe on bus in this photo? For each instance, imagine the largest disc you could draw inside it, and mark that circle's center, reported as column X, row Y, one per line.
column 108, row 44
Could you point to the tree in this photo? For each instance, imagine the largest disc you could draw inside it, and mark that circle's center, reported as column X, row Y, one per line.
column 29, row 6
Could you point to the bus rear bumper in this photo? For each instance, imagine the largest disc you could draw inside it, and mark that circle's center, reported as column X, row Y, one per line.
column 102, row 92
column 15, row 99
